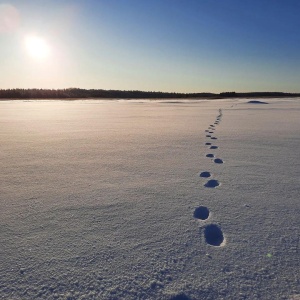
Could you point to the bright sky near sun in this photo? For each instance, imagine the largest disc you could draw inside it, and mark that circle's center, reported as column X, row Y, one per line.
column 155, row 45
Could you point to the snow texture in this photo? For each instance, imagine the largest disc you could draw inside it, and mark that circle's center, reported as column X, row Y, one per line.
column 102, row 199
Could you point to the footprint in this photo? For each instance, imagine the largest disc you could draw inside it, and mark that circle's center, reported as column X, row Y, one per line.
column 210, row 132
column 207, row 144
column 218, row 161
column 210, row 155
column 213, row 235
column 212, row 125
column 213, row 147
column 208, row 135
column 201, row 213
column 206, row 130
column 205, row 174
column 212, row 183
column 214, row 138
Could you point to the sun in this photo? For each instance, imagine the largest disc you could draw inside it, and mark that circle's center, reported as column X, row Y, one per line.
column 37, row 47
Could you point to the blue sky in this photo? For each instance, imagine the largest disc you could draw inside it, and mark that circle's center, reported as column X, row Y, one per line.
column 157, row 45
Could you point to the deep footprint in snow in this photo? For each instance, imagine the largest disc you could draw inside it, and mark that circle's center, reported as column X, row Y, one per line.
column 213, row 147
column 201, row 213
column 218, row 161
column 207, row 144
column 213, row 235
column 205, row 174
column 212, row 183
column 214, row 138
column 208, row 135
column 210, row 155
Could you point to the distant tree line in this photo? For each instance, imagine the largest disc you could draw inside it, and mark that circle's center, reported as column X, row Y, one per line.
column 74, row 93
column 92, row 93
column 258, row 94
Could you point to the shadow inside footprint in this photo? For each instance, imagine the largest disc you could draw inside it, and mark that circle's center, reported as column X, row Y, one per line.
column 201, row 213
column 207, row 144
column 212, row 183
column 213, row 235
column 218, row 161
column 210, row 155
column 205, row 174
column 208, row 135
column 214, row 138
column 180, row 297
column 213, row 147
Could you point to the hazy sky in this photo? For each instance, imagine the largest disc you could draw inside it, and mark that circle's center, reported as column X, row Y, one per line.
column 155, row 45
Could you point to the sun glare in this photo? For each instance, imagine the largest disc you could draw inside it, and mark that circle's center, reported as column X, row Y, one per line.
column 37, row 47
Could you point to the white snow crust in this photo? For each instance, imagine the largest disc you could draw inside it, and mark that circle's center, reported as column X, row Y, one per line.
column 98, row 199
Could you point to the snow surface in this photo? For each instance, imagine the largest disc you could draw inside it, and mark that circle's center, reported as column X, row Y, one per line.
column 103, row 199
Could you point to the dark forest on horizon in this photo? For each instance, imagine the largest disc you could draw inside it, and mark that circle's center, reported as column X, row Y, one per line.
column 76, row 93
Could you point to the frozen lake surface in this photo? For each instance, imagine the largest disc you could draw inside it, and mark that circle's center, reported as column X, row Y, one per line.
column 104, row 199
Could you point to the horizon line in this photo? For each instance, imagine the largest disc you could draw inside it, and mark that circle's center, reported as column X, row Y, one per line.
column 144, row 91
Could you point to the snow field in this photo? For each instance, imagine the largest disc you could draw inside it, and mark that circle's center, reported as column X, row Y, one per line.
column 103, row 200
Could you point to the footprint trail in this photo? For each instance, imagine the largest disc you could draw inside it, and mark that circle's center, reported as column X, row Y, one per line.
column 212, row 233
